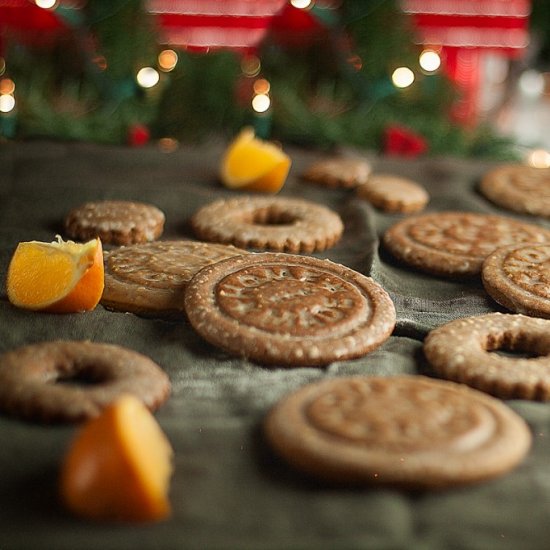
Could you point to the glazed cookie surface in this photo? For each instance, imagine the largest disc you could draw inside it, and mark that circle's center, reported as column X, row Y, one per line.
column 269, row 223
column 393, row 193
column 465, row 350
column 451, row 244
column 346, row 172
column 518, row 277
column 115, row 222
column 405, row 431
column 151, row 278
column 70, row 381
column 288, row 310
column 519, row 188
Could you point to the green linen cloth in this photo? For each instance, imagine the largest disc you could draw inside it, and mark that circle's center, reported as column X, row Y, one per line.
column 229, row 490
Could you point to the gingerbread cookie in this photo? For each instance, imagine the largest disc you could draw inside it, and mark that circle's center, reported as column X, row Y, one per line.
column 393, row 194
column 452, row 244
column 519, row 188
column 70, row 381
column 115, row 222
column 150, row 278
column 288, row 310
column 464, row 350
column 346, row 172
column 405, row 431
column 518, row 277
column 269, row 223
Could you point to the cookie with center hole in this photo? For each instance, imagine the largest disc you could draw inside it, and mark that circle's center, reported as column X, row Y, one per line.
column 520, row 188
column 518, row 277
column 409, row 432
column 71, row 381
column 150, row 278
column 115, row 222
column 504, row 354
column 288, row 310
column 455, row 244
column 281, row 224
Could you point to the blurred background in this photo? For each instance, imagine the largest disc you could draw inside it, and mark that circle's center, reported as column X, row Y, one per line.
column 400, row 77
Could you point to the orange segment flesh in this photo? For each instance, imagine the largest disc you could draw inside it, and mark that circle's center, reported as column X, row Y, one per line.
column 118, row 467
column 61, row 276
column 254, row 165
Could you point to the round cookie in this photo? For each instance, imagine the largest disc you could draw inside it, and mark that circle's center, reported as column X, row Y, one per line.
column 451, row 244
column 288, row 310
column 405, row 431
column 393, row 193
column 463, row 350
column 115, row 222
column 150, row 278
column 518, row 277
column 346, row 172
column 519, row 188
column 269, row 223
column 70, row 381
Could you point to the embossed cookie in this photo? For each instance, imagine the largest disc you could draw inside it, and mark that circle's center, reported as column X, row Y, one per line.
column 288, row 310
column 281, row 224
column 150, row 278
column 518, row 277
column 393, row 193
column 70, row 381
column 346, row 172
column 519, row 188
column 464, row 350
column 115, row 222
column 405, row 431
column 452, row 244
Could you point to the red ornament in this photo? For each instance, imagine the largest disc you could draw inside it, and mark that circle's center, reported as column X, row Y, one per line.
column 138, row 135
column 403, row 142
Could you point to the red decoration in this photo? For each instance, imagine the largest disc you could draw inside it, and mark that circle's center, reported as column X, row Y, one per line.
column 296, row 27
column 403, row 142
column 138, row 135
column 466, row 29
column 213, row 24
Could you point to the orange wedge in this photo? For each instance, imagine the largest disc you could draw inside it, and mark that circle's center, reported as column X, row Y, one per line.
column 62, row 276
column 119, row 465
column 250, row 164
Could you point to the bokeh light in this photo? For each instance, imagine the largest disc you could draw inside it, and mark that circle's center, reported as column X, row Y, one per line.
column 46, row 4
column 147, row 77
column 402, row 77
column 539, row 158
column 261, row 103
column 301, row 4
column 7, row 103
column 250, row 65
column 167, row 60
column 261, row 86
column 430, row 60
column 7, row 86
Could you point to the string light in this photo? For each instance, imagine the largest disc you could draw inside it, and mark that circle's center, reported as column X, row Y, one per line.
column 147, row 77
column 402, row 77
column 7, row 86
column 46, row 4
column 539, row 158
column 301, row 4
column 7, row 103
column 430, row 60
column 261, row 103
column 261, row 86
column 167, row 60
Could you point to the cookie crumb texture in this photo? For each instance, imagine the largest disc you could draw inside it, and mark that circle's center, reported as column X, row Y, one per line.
column 405, row 431
column 289, row 310
column 464, row 350
column 280, row 224
column 115, row 222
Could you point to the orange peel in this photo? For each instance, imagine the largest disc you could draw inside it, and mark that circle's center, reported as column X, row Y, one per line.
column 119, row 465
column 252, row 164
column 61, row 276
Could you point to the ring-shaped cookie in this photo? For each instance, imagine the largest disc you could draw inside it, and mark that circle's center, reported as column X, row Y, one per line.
column 464, row 350
column 70, row 381
column 280, row 224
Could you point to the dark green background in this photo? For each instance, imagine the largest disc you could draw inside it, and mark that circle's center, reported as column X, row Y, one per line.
column 228, row 489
